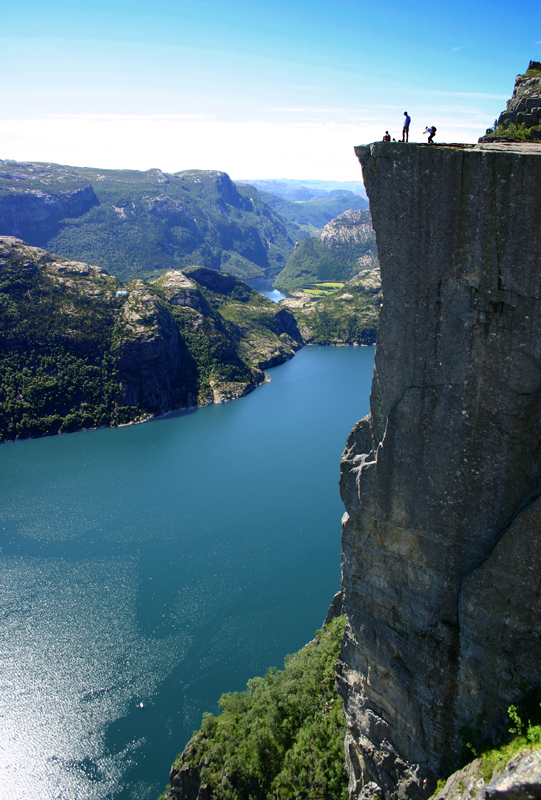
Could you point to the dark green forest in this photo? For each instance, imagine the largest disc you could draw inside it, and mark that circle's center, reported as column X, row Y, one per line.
column 280, row 739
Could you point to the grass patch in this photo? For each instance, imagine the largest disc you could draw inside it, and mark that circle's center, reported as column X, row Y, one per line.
column 322, row 289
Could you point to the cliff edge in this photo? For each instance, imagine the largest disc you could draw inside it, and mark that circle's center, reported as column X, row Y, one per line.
column 441, row 553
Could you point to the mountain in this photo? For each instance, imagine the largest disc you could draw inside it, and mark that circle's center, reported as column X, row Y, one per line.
column 316, row 212
column 348, row 315
column 80, row 350
column 346, row 245
column 137, row 224
column 303, row 190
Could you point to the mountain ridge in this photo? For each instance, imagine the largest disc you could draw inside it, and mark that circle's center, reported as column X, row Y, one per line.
column 137, row 224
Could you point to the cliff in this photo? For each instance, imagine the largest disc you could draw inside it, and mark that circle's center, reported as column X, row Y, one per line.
column 78, row 350
column 441, row 555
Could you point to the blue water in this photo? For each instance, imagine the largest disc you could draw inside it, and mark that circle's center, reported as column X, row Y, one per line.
column 265, row 287
column 146, row 570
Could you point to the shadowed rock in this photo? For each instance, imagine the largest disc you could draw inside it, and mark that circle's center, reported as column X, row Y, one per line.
column 441, row 554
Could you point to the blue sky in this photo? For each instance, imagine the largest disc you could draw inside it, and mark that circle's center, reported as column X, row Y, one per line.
column 260, row 90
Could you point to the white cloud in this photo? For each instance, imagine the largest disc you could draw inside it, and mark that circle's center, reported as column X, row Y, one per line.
column 294, row 149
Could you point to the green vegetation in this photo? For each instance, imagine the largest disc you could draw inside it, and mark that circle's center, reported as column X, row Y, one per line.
column 282, row 738
column 138, row 224
column 513, row 132
column 314, row 214
column 314, row 262
column 72, row 353
column 321, row 289
column 344, row 314
column 534, row 70
column 57, row 374
column 524, row 734
column 335, row 256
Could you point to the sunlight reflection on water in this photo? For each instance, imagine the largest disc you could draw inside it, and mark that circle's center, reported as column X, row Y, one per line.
column 163, row 564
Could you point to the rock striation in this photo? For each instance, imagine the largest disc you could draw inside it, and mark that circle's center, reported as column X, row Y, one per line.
column 441, row 551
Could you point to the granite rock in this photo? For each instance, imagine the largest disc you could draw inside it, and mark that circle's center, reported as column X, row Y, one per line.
column 520, row 779
column 441, row 553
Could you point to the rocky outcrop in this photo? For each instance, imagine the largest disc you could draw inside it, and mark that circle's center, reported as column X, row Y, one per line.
column 33, row 197
column 519, row 780
column 441, row 550
column 350, row 228
column 524, row 107
column 148, row 346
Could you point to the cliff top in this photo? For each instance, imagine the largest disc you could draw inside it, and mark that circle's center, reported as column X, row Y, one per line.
column 363, row 151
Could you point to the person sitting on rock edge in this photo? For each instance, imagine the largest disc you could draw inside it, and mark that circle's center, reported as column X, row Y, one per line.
column 387, row 137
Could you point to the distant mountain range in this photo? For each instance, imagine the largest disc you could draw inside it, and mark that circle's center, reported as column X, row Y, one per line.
column 292, row 189
column 312, row 215
column 137, row 224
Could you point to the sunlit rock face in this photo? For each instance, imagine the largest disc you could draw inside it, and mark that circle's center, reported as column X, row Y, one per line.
column 441, row 554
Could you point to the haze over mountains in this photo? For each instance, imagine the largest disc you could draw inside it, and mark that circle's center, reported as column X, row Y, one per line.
column 293, row 189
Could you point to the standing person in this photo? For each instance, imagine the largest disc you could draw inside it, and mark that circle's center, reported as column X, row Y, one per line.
column 387, row 137
column 406, row 128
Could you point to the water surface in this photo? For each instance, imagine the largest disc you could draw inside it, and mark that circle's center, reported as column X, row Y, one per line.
column 146, row 570
column 264, row 286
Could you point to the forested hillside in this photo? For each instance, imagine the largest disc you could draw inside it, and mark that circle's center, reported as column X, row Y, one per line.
column 79, row 350
column 345, row 314
column 346, row 245
column 281, row 738
column 136, row 224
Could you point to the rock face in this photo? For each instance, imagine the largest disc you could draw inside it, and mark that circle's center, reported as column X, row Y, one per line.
column 148, row 348
column 441, row 556
column 520, row 780
column 350, row 228
column 524, row 107
column 33, row 197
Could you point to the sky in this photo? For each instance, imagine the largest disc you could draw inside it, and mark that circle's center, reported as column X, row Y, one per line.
column 270, row 89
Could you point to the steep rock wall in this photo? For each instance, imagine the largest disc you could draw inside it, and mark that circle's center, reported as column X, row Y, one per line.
column 441, row 554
